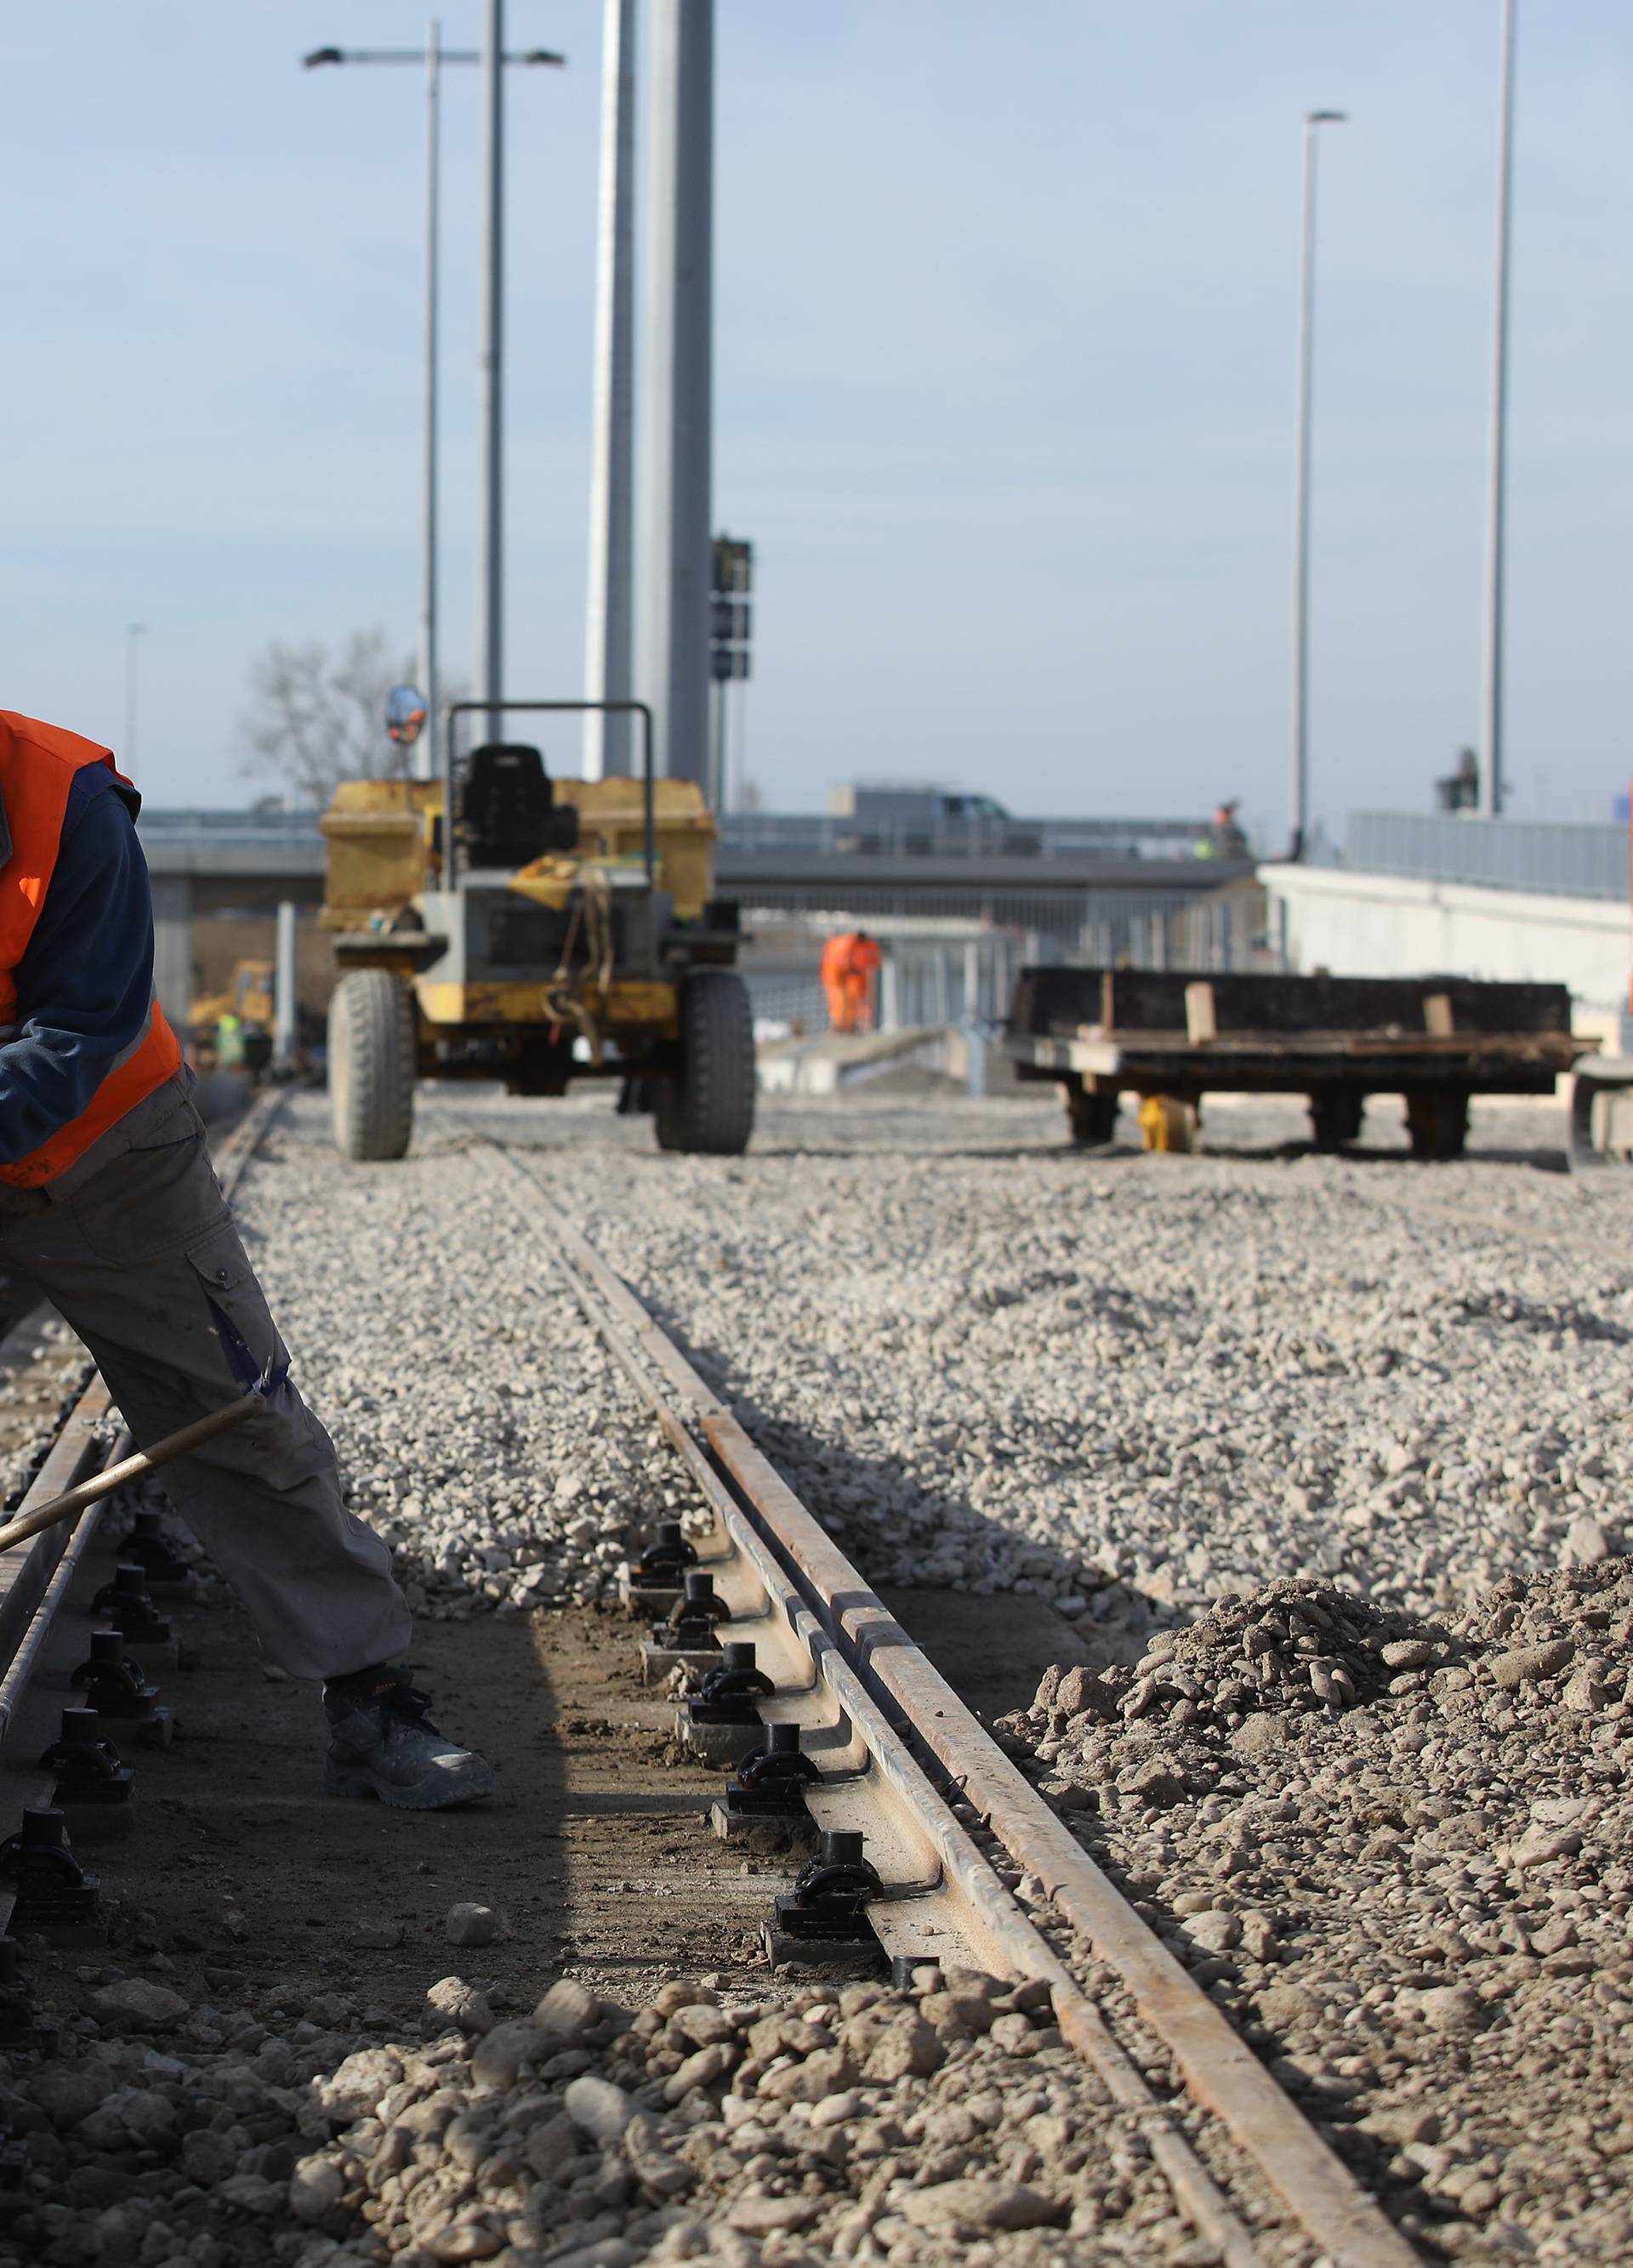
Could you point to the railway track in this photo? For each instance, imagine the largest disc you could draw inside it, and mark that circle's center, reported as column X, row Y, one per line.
column 904, row 1782
column 38, row 1576
column 903, row 1763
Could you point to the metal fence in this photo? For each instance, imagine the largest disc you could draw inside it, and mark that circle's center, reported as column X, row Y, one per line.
column 921, row 982
column 958, row 970
column 815, row 835
column 217, row 826
column 1555, row 857
column 1096, row 924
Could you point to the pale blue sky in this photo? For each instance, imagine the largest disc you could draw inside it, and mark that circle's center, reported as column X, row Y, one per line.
column 1005, row 348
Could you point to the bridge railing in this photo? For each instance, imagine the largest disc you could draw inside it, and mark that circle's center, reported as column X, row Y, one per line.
column 816, row 835
column 1554, row 858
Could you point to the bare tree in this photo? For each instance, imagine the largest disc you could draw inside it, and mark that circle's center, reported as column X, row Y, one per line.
column 317, row 716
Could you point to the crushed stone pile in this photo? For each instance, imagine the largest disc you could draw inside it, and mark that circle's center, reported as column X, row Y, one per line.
column 947, row 2124
column 1399, row 1852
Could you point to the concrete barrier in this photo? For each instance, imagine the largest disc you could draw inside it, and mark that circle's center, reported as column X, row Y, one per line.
column 1363, row 924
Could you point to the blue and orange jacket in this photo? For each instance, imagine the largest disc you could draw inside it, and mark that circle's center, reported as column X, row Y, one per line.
column 83, row 1039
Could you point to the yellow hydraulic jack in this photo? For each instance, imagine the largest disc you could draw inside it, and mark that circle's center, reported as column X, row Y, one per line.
column 1168, row 1124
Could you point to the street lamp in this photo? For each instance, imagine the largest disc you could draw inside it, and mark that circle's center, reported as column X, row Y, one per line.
column 1491, row 777
column 608, row 625
column 133, row 631
column 431, row 57
column 1313, row 120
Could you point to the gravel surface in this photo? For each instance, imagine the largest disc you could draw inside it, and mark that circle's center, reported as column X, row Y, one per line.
column 43, row 1370
column 1127, row 1383
column 1384, row 1407
column 482, row 1430
column 1134, row 1382
column 944, row 2126
column 1401, row 1852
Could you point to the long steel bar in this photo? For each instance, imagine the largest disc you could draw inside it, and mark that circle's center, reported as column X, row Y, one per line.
column 990, row 1916
column 1219, row 2070
column 20, row 1669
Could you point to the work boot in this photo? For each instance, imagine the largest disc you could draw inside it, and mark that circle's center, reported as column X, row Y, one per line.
column 385, row 1744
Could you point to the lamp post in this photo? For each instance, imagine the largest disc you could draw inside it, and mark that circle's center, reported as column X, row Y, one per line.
column 490, row 672
column 1491, row 774
column 133, row 631
column 431, row 57
column 609, row 628
column 1313, row 120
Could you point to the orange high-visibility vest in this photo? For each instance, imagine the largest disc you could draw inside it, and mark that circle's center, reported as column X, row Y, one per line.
column 38, row 764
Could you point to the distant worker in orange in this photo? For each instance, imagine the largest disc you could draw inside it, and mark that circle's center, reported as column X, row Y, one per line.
column 850, row 963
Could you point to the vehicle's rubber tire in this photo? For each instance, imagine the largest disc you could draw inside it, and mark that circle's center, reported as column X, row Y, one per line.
column 371, row 1051
column 1436, row 1119
column 707, row 1107
column 1092, row 1118
column 1335, row 1117
column 666, row 1114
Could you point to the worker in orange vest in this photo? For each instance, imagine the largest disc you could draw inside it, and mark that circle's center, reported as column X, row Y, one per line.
column 107, row 1201
column 850, row 963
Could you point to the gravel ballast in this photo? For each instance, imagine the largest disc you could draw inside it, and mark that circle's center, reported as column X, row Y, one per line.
column 483, row 1430
column 1327, row 1461
column 986, row 1361
column 1131, row 1383
column 1399, row 1852
column 943, row 2125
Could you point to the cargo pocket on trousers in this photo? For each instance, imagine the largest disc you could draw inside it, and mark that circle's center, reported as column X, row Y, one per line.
column 152, row 1198
column 282, row 1444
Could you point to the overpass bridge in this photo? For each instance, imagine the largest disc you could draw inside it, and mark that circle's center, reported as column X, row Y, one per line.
column 1102, row 887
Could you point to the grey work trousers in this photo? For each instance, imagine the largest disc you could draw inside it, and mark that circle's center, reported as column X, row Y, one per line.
column 133, row 1244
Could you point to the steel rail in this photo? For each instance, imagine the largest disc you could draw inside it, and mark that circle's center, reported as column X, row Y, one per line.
column 876, row 1672
column 130, row 1465
column 23, row 1663
column 27, row 1570
column 966, row 1890
column 33, row 1581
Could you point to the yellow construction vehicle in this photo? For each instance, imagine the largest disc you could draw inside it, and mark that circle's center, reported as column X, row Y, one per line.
column 232, row 1028
column 249, row 997
column 555, row 930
